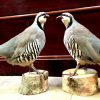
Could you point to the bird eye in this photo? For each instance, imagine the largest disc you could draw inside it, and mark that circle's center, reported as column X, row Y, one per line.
column 45, row 16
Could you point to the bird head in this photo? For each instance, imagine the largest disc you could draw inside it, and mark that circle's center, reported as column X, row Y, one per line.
column 41, row 18
column 66, row 18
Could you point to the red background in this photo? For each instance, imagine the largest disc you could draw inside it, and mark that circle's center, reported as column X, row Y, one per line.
column 54, row 30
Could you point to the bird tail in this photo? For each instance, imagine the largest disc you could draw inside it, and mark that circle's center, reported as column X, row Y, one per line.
column 0, row 48
column 7, row 48
column 2, row 51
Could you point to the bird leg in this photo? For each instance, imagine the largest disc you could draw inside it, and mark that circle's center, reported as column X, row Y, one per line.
column 34, row 69
column 77, row 67
column 70, row 78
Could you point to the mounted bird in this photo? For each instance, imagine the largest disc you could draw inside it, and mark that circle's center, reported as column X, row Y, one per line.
column 80, row 42
column 24, row 48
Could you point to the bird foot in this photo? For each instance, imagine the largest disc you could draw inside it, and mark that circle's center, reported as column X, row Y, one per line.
column 34, row 70
column 70, row 78
column 72, row 74
column 37, row 71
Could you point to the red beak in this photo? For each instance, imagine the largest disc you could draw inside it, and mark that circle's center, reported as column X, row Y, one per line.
column 46, row 16
column 59, row 17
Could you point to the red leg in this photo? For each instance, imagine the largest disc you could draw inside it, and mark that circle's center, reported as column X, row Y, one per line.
column 77, row 67
column 70, row 79
column 34, row 69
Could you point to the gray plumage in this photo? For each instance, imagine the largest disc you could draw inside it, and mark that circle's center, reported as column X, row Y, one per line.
column 24, row 48
column 82, row 44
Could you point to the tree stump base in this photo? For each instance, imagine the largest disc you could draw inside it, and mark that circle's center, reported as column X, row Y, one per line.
column 84, row 83
column 33, row 83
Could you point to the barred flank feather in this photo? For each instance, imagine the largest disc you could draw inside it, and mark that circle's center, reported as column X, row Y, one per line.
column 73, row 48
column 31, row 52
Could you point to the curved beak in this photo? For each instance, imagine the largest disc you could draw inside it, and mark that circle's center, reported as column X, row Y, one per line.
column 59, row 17
column 46, row 15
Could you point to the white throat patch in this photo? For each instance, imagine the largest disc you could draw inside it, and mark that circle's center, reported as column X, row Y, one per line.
column 66, row 20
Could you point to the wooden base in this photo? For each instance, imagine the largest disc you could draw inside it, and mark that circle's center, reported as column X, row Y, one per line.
column 33, row 83
column 85, row 83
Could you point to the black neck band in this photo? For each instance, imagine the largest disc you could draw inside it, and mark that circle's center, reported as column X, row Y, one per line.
column 39, row 24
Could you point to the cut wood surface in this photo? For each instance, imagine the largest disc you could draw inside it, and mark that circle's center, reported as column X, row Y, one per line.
column 10, row 85
column 33, row 83
column 84, row 83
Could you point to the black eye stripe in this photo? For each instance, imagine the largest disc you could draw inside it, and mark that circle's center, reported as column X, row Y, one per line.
column 39, row 24
column 66, row 15
column 41, row 15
